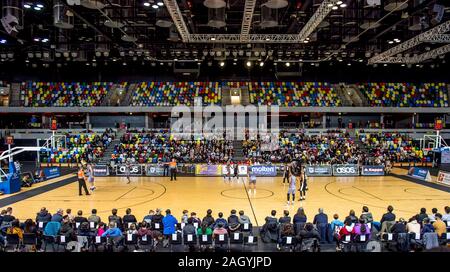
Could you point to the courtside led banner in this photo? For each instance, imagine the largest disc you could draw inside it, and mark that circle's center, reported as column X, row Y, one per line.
column 345, row 170
column 242, row 170
column 419, row 173
column 155, row 171
column 318, row 170
column 372, row 170
column 134, row 170
column 208, row 170
column 51, row 172
column 443, row 177
column 264, row 170
column 101, row 170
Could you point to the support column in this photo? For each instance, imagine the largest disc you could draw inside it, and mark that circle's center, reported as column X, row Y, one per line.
column 382, row 121
column 324, row 120
column 88, row 120
column 146, row 120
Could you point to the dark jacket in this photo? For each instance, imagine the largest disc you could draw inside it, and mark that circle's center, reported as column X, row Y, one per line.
column 320, row 218
column 43, row 217
column 284, row 220
column 57, row 218
column 299, row 219
column 129, row 218
column 398, row 228
column 387, row 217
column 304, row 234
column 209, row 220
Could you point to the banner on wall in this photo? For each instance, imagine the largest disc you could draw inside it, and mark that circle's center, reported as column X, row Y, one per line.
column 155, row 171
column 419, row 173
column 318, row 170
column 372, row 170
column 101, row 170
column 443, row 177
column 135, row 170
column 345, row 170
column 208, row 170
column 264, row 170
column 242, row 170
column 445, row 156
column 52, row 172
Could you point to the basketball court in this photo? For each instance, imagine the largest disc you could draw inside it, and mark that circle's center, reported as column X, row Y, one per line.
column 334, row 194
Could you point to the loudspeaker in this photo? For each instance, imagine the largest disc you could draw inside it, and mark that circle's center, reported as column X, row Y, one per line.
column 438, row 14
column 373, row 3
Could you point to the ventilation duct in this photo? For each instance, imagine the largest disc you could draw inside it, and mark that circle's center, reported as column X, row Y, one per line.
column 93, row 4
column 12, row 16
column 62, row 16
column 114, row 13
column 397, row 5
column 269, row 17
column 214, row 4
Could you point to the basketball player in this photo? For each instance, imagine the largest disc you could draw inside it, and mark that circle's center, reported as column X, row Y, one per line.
column 90, row 171
column 251, row 181
column 236, row 171
column 292, row 188
column 286, row 173
column 82, row 181
column 127, row 172
column 303, row 185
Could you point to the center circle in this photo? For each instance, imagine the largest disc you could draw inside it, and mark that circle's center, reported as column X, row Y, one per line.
column 242, row 194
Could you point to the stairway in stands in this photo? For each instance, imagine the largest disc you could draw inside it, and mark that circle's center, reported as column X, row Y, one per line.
column 238, row 151
column 129, row 94
column 14, row 96
column 110, row 150
column 359, row 144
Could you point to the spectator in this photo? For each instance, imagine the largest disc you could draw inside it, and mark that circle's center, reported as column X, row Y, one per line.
column 320, row 218
column 413, row 225
column 195, row 219
column 8, row 217
column 115, row 218
column 446, row 216
column 336, row 224
column 148, row 218
column 2, row 214
column 439, row 225
column 346, row 230
column 309, row 232
column 427, row 226
column 300, row 216
column 43, row 216
column 185, row 216
column 432, row 216
column 208, row 219
column 128, row 217
column 113, row 231
column 169, row 222
column 233, row 221
column 389, row 216
column 285, row 219
column 243, row 219
column 221, row 220
column 144, row 230
column 399, row 226
column 70, row 215
column 351, row 217
column 366, row 215
column 189, row 227
column 204, row 229
column 101, row 228
column 94, row 217
column 361, row 228
column 422, row 215
column 58, row 216
column 15, row 229
column 80, row 218
column 158, row 217
column 132, row 229
column 219, row 229
column 66, row 227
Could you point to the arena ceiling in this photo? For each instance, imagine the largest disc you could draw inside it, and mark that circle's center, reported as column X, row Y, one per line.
column 406, row 32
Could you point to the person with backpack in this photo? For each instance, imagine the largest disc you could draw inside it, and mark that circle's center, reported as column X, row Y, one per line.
column 362, row 228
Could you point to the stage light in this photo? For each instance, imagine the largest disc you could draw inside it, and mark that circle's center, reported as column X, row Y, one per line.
column 343, row 5
column 349, row 64
column 39, row 5
column 160, row 3
column 390, row 42
column 27, row 6
column 334, row 8
column 339, row 2
column 146, row 4
column 330, row 5
column 213, row 39
column 222, row 64
column 37, row 8
column 267, row 39
column 3, row 41
column 287, row 64
column 155, row 6
column 261, row 64
column 249, row 63
column 36, row 39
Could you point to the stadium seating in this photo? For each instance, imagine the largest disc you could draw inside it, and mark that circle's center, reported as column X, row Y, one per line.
column 293, row 94
column 405, row 94
column 176, row 93
column 63, row 94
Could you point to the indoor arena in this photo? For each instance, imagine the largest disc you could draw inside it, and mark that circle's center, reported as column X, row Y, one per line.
column 239, row 127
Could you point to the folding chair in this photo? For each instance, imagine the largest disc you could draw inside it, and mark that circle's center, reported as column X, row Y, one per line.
column 445, row 238
column 360, row 242
column 345, row 243
column 131, row 240
column 175, row 239
column 247, row 228
column 98, row 241
column 62, row 240
column 13, row 240
column 389, row 239
column 190, row 240
column 92, row 226
column 180, row 226
column 205, row 240
column 146, row 242
column 288, row 242
column 237, row 238
column 49, row 240
column 30, row 240
column 157, row 226
column 41, row 226
column 221, row 240
column 250, row 241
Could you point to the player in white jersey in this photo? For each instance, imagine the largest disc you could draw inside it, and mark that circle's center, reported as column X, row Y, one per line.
column 292, row 188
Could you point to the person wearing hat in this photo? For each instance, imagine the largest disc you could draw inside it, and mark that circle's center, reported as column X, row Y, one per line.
column 82, row 181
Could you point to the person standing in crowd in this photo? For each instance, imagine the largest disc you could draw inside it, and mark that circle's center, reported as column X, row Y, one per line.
column 173, row 169
column 82, row 181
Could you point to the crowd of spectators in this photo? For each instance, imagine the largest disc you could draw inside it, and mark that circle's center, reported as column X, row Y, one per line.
column 80, row 231
column 151, row 147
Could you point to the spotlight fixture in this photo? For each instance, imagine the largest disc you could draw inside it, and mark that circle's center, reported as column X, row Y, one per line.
column 27, row 6
column 222, row 64
column 334, row 8
column 146, row 4
column 155, row 6
column 261, row 64
column 249, row 63
column 339, row 2
column 2, row 41
column 160, row 3
column 288, row 64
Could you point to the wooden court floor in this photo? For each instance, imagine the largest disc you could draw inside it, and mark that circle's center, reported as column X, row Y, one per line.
column 334, row 194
